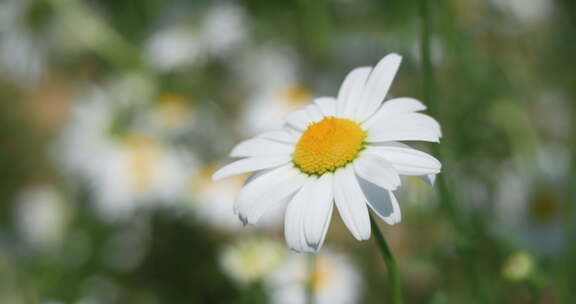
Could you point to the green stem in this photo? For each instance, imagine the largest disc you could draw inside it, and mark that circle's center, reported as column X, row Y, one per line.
column 394, row 277
column 429, row 93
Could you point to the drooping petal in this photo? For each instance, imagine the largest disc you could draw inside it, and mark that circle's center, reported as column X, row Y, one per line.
column 376, row 169
column 382, row 201
column 327, row 105
column 351, row 203
column 318, row 211
column 282, row 136
column 349, row 95
column 409, row 126
column 261, row 147
column 430, row 179
column 249, row 165
column 408, row 161
column 261, row 193
column 377, row 86
column 393, row 107
column 294, row 218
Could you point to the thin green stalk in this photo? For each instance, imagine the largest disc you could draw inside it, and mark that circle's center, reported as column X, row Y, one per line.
column 446, row 199
column 393, row 275
column 429, row 93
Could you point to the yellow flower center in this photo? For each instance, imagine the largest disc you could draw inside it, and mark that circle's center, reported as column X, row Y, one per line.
column 143, row 154
column 328, row 145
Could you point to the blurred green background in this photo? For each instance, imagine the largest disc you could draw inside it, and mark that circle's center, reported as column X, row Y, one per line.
column 114, row 114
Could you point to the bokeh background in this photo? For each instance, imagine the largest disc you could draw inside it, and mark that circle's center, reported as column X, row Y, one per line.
column 114, row 114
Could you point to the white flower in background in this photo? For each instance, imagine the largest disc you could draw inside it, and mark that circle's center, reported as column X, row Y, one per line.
column 212, row 202
column 41, row 216
column 529, row 12
column 138, row 169
column 171, row 115
column 343, row 150
column 530, row 202
column 332, row 280
column 23, row 49
column 172, row 48
column 250, row 260
column 275, row 88
column 131, row 89
column 125, row 168
column 224, row 28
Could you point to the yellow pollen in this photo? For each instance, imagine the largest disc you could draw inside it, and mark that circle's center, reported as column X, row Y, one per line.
column 328, row 145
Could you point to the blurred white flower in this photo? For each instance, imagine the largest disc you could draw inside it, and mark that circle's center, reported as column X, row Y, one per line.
column 530, row 202
column 213, row 202
column 333, row 280
column 137, row 169
column 132, row 89
column 41, row 216
column 251, row 260
column 529, row 12
column 171, row 115
column 125, row 168
column 224, row 28
column 271, row 74
column 23, row 48
column 172, row 48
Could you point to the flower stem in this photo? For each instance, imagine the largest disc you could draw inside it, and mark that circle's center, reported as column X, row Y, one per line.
column 394, row 277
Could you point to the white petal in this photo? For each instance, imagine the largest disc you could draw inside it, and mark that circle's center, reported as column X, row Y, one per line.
column 393, row 107
column 249, row 165
column 261, row 147
column 408, row 161
column 319, row 211
column 299, row 119
column 382, row 201
column 376, row 169
column 279, row 135
column 265, row 190
column 377, row 86
column 351, row 203
column 314, row 113
column 293, row 221
column 410, row 126
column 327, row 105
column 430, row 179
column 350, row 91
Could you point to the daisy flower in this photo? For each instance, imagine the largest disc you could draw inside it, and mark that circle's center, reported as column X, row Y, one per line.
column 271, row 74
column 251, row 260
column 333, row 279
column 42, row 215
column 124, row 168
column 342, row 150
column 531, row 202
